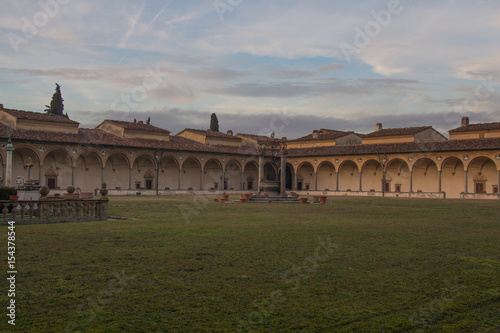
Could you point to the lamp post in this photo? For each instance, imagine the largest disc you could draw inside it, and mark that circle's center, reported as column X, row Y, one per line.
column 382, row 158
column 158, row 157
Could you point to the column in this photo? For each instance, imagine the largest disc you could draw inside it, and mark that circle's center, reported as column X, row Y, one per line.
column 295, row 182
column 73, row 175
column 283, row 175
column 261, row 172
column 102, row 175
column 337, row 185
column 179, row 179
column 130, row 178
column 40, row 174
column 498, row 183
column 411, row 181
column 8, row 171
column 316, row 181
column 242, row 185
column 222, row 180
column 361, row 181
column 439, row 181
column 201, row 179
column 466, row 180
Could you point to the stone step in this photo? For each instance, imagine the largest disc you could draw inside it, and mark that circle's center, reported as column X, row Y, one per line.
column 274, row 199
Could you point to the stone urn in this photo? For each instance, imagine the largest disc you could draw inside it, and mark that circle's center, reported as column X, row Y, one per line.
column 70, row 189
column 103, row 190
column 44, row 191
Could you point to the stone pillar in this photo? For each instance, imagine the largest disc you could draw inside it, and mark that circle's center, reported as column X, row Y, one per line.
column 8, row 171
column 73, row 175
column 466, row 181
column 40, row 180
column 498, row 183
column 439, row 181
column 316, row 181
column 201, row 179
column 242, row 185
column 411, row 181
column 261, row 172
column 102, row 175
column 361, row 181
column 337, row 185
column 130, row 178
column 295, row 182
column 179, row 179
column 283, row 175
column 222, row 180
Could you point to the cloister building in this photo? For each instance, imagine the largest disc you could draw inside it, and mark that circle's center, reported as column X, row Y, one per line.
column 132, row 157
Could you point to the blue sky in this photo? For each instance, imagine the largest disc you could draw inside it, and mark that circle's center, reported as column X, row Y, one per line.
column 261, row 66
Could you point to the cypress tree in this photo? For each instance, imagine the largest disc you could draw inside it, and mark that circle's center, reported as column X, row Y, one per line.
column 56, row 105
column 214, row 123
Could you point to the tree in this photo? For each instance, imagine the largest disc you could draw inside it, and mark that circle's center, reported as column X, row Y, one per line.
column 148, row 121
column 214, row 123
column 56, row 105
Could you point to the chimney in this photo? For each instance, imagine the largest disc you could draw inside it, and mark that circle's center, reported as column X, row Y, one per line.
column 465, row 121
column 230, row 133
column 378, row 127
column 315, row 134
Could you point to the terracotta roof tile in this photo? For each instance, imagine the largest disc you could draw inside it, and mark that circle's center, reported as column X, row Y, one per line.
column 397, row 131
column 258, row 138
column 325, row 134
column 476, row 127
column 210, row 133
column 140, row 126
column 39, row 116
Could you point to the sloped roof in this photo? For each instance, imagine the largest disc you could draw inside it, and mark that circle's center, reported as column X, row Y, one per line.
column 140, row 126
column 397, row 131
column 325, row 134
column 29, row 115
column 476, row 127
column 258, row 138
column 210, row 133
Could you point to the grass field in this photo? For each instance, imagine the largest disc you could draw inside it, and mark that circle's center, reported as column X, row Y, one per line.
column 187, row 264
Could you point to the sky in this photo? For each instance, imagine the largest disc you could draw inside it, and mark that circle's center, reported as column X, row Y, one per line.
column 282, row 66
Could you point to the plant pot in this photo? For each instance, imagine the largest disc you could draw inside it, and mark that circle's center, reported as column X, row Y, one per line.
column 225, row 197
column 322, row 199
column 216, row 200
column 13, row 197
column 246, row 196
column 303, row 200
column 243, row 200
column 222, row 200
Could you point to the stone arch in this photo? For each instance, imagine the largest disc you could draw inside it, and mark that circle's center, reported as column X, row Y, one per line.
column 306, row 176
column 327, row 176
column 144, row 165
column 88, row 171
column 60, row 163
column 233, row 174
column 251, row 176
column 371, row 176
column 452, row 177
column 398, row 177
column 482, row 175
column 168, row 173
column 270, row 172
column 191, row 173
column 348, row 176
column 22, row 157
column 116, row 173
column 425, row 175
column 212, row 175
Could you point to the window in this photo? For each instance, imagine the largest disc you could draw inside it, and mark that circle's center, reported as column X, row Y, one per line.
column 397, row 188
column 51, row 182
column 149, row 184
column 480, row 187
column 495, row 189
column 250, row 185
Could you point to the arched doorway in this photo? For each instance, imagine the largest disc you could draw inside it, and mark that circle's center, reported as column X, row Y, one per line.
column 483, row 176
column 425, row 176
column 190, row 175
column 452, row 177
column 398, row 177
column 348, row 176
column 327, row 177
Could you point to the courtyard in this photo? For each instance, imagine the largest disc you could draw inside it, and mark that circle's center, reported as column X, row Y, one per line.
column 188, row 264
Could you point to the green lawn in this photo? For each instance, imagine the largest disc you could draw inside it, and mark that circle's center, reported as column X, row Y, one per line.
column 187, row 264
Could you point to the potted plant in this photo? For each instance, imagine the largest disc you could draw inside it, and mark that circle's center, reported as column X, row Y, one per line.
column 216, row 200
column 246, row 196
column 225, row 196
column 303, row 200
column 322, row 199
column 243, row 200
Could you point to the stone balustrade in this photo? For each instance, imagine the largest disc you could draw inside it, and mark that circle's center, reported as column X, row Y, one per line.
column 50, row 210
